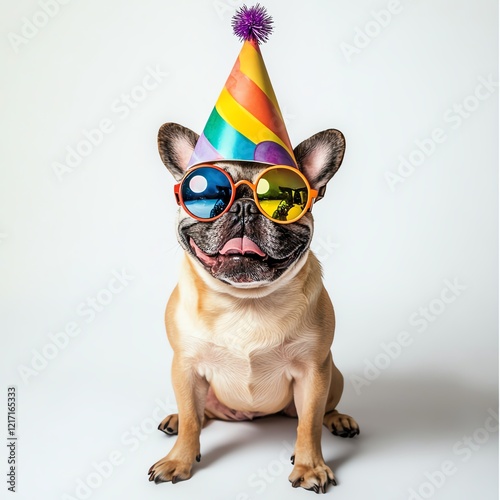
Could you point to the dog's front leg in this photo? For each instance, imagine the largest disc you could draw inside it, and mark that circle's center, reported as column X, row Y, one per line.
column 310, row 390
column 190, row 393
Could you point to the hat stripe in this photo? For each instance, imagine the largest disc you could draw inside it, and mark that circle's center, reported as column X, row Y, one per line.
column 246, row 93
column 252, row 65
column 244, row 122
column 226, row 140
column 203, row 151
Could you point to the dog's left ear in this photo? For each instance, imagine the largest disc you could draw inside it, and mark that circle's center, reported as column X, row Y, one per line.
column 176, row 145
column 319, row 158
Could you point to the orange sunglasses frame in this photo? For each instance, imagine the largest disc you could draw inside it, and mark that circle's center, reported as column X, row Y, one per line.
column 312, row 193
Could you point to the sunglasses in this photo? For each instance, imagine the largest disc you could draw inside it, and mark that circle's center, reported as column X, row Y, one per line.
column 281, row 193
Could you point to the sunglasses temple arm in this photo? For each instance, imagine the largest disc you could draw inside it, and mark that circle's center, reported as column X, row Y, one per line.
column 314, row 197
column 177, row 188
column 320, row 193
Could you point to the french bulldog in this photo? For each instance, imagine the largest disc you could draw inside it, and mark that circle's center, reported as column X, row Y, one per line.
column 250, row 322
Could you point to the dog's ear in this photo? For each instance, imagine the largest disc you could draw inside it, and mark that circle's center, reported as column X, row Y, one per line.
column 319, row 158
column 176, row 144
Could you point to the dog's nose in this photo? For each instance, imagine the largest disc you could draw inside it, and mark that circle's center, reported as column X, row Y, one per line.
column 244, row 208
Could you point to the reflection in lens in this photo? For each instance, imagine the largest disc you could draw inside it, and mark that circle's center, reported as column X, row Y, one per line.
column 198, row 184
column 262, row 187
column 206, row 192
column 286, row 195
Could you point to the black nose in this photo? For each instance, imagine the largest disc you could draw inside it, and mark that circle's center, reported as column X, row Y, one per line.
column 244, row 208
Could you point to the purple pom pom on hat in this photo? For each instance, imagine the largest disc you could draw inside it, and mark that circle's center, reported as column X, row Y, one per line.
column 252, row 24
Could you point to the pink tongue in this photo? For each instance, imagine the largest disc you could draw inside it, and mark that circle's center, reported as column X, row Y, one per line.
column 242, row 246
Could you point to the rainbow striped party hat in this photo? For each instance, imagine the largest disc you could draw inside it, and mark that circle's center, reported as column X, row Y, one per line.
column 246, row 123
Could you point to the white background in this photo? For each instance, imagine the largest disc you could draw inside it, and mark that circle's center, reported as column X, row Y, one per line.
column 386, row 252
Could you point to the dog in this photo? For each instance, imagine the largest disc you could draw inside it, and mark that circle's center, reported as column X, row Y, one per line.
column 250, row 322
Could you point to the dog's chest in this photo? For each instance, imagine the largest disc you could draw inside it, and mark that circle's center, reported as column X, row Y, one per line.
column 249, row 363
column 258, row 381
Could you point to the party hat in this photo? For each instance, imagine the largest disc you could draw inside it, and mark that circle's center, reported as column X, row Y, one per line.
column 246, row 123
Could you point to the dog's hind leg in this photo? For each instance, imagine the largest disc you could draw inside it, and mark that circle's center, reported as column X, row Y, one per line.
column 337, row 423
column 170, row 424
column 214, row 409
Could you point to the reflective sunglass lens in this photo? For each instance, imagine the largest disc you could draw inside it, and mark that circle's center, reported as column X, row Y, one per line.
column 282, row 194
column 206, row 192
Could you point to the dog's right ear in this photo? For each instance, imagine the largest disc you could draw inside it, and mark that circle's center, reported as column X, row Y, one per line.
column 176, row 144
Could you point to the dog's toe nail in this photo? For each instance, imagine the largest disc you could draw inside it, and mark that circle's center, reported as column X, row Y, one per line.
column 333, row 481
column 292, row 459
column 198, row 458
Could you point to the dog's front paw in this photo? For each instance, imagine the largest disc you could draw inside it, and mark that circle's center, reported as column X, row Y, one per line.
column 314, row 478
column 167, row 469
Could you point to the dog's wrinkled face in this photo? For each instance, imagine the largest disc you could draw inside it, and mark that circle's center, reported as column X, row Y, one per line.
column 243, row 247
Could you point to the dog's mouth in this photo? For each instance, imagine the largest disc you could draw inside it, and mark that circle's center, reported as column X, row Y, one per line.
column 235, row 247
column 241, row 260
